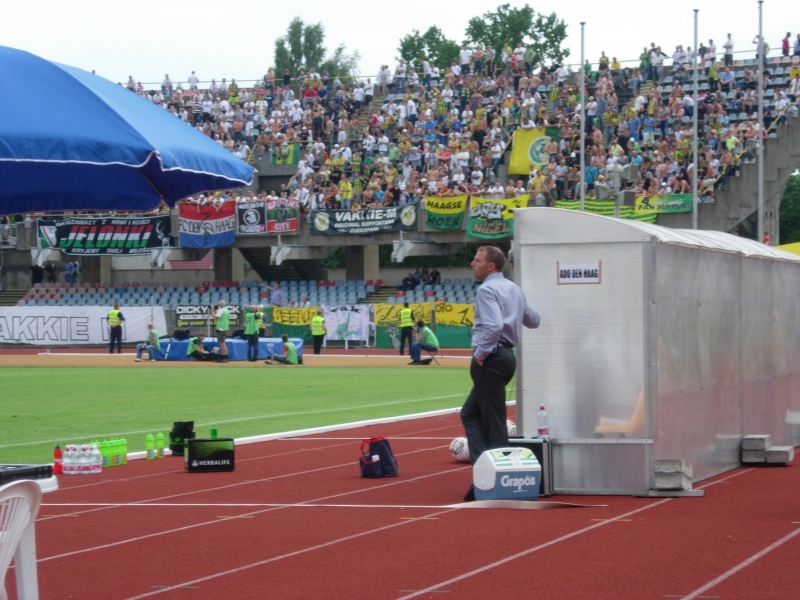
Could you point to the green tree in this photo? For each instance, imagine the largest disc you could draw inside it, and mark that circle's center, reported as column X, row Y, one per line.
column 544, row 33
column 303, row 47
column 432, row 45
column 790, row 212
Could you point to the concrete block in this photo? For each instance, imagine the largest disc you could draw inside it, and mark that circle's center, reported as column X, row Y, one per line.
column 672, row 481
column 780, row 455
column 756, row 442
column 750, row 457
column 792, row 428
column 673, row 465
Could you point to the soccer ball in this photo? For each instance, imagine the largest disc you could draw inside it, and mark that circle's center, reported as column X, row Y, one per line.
column 459, row 449
column 512, row 428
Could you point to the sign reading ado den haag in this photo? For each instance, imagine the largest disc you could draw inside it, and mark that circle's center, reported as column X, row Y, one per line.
column 121, row 236
column 364, row 222
column 571, row 274
column 207, row 226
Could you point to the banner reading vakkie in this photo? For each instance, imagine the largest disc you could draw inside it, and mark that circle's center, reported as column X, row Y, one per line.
column 120, row 236
column 207, row 226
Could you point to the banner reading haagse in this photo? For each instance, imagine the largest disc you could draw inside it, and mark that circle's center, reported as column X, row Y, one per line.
column 207, row 226
column 123, row 236
column 445, row 212
column 74, row 325
column 364, row 222
column 491, row 219
column 530, row 148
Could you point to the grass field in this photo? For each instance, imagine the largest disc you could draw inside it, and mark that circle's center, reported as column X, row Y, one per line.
column 45, row 406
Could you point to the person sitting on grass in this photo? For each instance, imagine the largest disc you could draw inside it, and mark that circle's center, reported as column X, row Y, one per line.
column 198, row 352
column 289, row 353
column 426, row 340
column 152, row 344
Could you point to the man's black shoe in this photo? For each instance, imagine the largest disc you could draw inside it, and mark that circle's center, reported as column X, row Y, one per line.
column 470, row 495
column 415, row 362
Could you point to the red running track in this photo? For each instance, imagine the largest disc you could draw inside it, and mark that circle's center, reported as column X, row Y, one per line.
column 295, row 520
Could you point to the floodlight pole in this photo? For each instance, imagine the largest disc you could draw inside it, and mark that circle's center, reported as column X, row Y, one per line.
column 761, row 59
column 582, row 79
column 695, row 95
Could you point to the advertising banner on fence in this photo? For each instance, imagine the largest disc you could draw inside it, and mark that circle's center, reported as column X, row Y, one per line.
column 196, row 315
column 74, row 325
column 251, row 218
column 282, row 215
column 491, row 219
column 446, row 212
column 646, row 208
column 530, row 148
column 454, row 324
column 350, row 322
column 375, row 220
column 118, row 236
column 207, row 226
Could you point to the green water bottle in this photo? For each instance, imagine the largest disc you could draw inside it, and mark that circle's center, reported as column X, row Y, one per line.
column 149, row 445
column 113, row 455
column 105, row 454
column 214, row 432
column 160, row 445
column 123, row 454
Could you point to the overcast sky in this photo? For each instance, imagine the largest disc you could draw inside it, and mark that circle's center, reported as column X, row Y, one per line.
column 148, row 38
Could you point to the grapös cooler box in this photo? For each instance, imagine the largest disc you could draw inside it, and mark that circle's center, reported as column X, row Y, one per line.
column 507, row 474
column 203, row 455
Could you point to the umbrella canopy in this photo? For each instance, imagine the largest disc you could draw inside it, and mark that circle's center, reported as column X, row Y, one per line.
column 70, row 140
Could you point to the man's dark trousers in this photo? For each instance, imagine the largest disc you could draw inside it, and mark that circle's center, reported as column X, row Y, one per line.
column 406, row 334
column 252, row 346
column 318, row 339
column 484, row 412
column 115, row 338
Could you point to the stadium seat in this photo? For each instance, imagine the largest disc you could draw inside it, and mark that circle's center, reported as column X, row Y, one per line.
column 135, row 285
column 369, row 282
column 391, row 300
column 400, row 294
column 378, row 282
column 22, row 302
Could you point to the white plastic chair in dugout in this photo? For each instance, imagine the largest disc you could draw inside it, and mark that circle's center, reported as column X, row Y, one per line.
column 19, row 506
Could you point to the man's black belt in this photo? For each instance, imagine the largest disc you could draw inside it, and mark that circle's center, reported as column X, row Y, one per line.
column 505, row 345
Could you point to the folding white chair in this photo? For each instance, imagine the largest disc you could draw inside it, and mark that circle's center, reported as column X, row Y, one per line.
column 19, row 506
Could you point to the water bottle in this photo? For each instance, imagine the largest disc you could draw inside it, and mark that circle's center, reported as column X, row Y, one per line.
column 123, row 456
column 214, row 432
column 97, row 460
column 72, row 461
column 149, row 444
column 105, row 453
column 544, row 422
column 85, row 460
column 160, row 445
column 58, row 461
column 67, row 466
column 116, row 453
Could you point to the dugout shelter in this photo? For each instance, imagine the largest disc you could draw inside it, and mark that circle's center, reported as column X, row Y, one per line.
column 655, row 343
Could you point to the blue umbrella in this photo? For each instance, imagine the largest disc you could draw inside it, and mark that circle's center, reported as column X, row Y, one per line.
column 70, row 140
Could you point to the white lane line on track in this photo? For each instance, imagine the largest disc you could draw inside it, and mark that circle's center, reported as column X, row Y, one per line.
column 292, row 554
column 260, row 504
column 741, row 565
column 258, row 418
column 568, row 536
column 257, row 512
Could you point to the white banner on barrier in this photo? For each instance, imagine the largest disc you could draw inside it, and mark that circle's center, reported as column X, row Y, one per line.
column 348, row 322
column 74, row 325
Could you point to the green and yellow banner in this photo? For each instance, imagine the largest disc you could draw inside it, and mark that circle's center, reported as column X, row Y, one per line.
column 445, row 212
column 491, row 219
column 387, row 322
column 454, row 324
column 288, row 154
column 294, row 322
column 646, row 208
column 530, row 149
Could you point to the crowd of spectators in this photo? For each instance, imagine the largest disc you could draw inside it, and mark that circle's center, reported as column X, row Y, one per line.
column 442, row 130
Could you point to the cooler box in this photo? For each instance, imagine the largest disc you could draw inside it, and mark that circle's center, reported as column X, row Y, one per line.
column 204, row 455
column 507, row 474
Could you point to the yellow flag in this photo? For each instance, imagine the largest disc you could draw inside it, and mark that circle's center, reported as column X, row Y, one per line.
column 528, row 149
column 293, row 316
column 389, row 314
